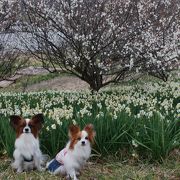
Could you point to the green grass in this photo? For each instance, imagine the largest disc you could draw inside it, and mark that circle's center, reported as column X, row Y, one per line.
column 104, row 170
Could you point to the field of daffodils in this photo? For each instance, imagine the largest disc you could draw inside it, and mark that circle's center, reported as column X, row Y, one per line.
column 137, row 121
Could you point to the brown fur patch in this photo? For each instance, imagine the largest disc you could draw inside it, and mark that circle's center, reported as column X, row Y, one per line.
column 74, row 134
column 18, row 123
column 91, row 133
column 37, row 120
column 34, row 128
column 15, row 121
column 36, row 124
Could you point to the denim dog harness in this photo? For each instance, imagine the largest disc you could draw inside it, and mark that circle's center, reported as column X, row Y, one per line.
column 57, row 161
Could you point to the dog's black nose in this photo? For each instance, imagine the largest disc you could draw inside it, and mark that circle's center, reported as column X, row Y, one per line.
column 26, row 130
column 83, row 142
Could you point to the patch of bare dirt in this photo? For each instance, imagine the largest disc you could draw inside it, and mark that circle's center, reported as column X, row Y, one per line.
column 60, row 83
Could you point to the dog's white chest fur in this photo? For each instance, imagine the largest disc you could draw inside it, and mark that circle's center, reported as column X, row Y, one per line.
column 27, row 145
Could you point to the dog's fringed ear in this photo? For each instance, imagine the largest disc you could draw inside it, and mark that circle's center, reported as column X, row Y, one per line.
column 38, row 120
column 15, row 121
column 73, row 130
column 89, row 128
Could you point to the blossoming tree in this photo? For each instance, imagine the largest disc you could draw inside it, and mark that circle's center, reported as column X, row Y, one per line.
column 9, row 57
column 105, row 41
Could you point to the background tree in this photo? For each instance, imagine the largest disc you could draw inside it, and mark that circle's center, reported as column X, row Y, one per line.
column 158, row 42
column 10, row 60
column 105, row 41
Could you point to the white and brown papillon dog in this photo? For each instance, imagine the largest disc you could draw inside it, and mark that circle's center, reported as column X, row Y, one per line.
column 70, row 160
column 27, row 154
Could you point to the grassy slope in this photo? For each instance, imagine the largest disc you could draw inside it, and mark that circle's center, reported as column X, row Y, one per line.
column 105, row 171
column 26, row 81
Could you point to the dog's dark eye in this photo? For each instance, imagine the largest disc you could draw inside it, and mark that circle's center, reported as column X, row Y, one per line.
column 78, row 138
column 86, row 137
column 31, row 126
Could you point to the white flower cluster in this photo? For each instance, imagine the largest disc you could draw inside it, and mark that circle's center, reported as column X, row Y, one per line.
column 133, row 101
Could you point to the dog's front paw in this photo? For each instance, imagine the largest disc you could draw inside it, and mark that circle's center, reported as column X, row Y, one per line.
column 78, row 173
column 41, row 169
column 16, row 168
column 19, row 170
column 13, row 165
column 68, row 177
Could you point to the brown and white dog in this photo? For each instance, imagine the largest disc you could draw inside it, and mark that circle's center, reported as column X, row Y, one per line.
column 72, row 158
column 27, row 154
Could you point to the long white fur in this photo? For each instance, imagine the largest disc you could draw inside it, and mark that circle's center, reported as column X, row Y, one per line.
column 27, row 146
column 75, row 159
